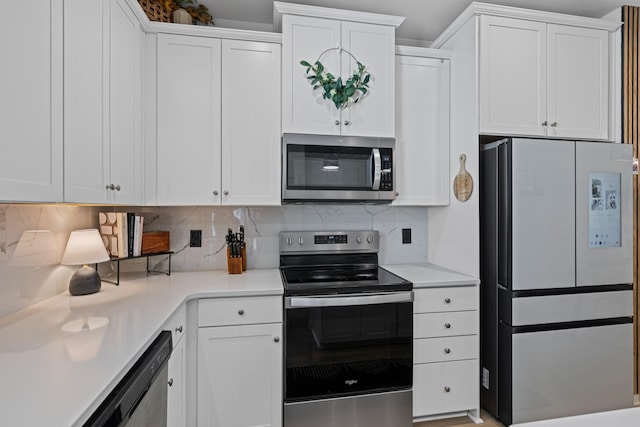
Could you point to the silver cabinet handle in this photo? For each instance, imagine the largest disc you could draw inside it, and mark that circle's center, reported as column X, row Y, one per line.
column 447, row 300
column 170, row 382
column 179, row 329
column 447, row 350
column 447, row 389
column 225, row 192
column 241, row 312
column 545, row 123
column 347, row 123
column 447, row 325
column 113, row 187
column 337, row 122
column 554, row 124
column 117, row 188
column 276, row 339
column 215, row 192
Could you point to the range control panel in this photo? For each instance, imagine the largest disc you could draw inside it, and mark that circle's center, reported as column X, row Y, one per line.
column 329, row 241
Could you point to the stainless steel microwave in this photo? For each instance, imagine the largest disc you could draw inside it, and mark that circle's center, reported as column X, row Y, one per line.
column 337, row 169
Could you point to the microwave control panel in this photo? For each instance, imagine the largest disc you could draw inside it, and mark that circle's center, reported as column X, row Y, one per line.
column 386, row 178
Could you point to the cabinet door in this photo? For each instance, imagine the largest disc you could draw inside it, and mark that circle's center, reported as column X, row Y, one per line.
column 303, row 109
column 31, row 102
column 513, row 69
column 125, row 104
column 86, row 88
column 251, row 123
column 240, row 376
column 578, row 82
column 422, row 131
column 188, row 101
column 176, row 393
column 374, row 47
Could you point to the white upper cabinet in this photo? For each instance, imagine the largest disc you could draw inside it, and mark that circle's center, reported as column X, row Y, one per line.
column 188, row 91
column 250, row 123
column 326, row 35
column 103, row 103
column 218, row 128
column 31, row 102
column 542, row 79
column 422, row 128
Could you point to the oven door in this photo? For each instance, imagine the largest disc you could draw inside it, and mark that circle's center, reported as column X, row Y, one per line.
column 322, row 168
column 345, row 345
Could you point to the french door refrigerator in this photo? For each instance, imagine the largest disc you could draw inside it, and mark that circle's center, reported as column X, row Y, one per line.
column 556, row 278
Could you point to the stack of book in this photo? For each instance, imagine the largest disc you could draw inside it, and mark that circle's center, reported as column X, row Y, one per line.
column 121, row 233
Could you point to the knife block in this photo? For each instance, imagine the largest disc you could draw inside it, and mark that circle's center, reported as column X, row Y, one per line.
column 244, row 257
column 234, row 265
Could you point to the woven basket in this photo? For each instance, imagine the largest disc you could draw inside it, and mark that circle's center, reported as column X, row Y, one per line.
column 155, row 11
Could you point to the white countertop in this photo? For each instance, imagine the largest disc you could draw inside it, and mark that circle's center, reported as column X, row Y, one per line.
column 55, row 378
column 55, row 373
column 430, row 275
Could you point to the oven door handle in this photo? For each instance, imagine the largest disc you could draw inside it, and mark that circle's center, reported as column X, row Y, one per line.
column 348, row 300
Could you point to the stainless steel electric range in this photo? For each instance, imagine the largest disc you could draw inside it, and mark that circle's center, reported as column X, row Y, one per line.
column 348, row 333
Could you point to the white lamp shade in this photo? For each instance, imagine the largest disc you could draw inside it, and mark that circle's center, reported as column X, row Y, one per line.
column 85, row 247
column 35, row 248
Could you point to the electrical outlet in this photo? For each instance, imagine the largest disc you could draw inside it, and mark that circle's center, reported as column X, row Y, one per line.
column 406, row 235
column 195, row 239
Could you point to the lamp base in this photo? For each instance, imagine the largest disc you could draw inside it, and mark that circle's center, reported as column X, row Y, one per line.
column 85, row 281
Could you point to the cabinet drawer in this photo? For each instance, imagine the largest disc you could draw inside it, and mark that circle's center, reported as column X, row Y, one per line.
column 427, row 350
column 239, row 311
column 445, row 387
column 427, row 325
column 445, row 299
column 177, row 325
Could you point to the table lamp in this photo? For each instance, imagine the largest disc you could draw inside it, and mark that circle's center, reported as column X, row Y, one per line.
column 85, row 247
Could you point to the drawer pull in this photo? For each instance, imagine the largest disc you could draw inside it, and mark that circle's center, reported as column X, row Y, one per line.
column 447, row 389
column 179, row 329
column 447, row 325
column 447, row 300
column 276, row 339
column 447, row 350
column 170, row 382
column 241, row 312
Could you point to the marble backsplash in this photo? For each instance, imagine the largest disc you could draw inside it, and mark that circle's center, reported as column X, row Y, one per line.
column 22, row 287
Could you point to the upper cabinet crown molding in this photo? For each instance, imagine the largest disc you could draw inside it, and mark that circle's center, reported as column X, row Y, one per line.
column 423, row 52
column 479, row 8
column 280, row 8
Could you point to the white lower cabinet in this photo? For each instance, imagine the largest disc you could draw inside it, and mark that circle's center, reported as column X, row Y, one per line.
column 176, row 397
column 177, row 386
column 446, row 352
column 240, row 362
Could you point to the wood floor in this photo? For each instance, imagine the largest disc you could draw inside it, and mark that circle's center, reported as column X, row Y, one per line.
column 489, row 421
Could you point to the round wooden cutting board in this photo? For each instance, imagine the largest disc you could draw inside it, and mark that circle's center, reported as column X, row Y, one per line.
column 463, row 183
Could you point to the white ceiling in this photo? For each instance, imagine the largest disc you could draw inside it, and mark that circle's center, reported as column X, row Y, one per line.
column 425, row 19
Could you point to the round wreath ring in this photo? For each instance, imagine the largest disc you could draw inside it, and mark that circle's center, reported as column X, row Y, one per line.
column 341, row 94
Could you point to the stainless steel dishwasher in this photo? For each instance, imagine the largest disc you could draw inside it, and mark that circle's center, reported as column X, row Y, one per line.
column 140, row 398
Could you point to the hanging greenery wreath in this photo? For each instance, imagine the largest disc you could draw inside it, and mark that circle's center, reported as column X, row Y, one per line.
column 341, row 94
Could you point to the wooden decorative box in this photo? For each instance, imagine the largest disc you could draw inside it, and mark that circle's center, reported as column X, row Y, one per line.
column 155, row 241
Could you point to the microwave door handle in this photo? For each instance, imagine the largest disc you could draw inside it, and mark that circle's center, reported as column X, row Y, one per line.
column 377, row 169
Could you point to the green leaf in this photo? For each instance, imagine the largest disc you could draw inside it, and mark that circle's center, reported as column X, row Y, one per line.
column 305, row 63
column 366, row 79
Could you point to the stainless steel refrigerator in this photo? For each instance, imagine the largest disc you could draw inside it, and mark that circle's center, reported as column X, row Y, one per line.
column 556, row 245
